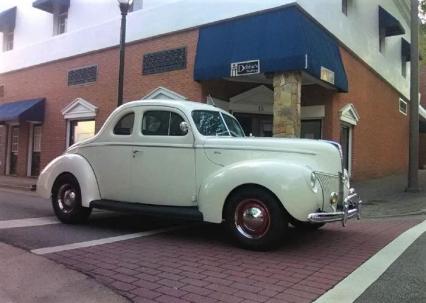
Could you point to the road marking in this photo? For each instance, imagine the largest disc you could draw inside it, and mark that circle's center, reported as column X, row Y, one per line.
column 53, row 249
column 354, row 285
column 6, row 224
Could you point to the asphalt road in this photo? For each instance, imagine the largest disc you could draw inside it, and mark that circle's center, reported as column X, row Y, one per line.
column 101, row 224
column 404, row 280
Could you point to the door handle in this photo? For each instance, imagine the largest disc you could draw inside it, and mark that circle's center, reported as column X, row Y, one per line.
column 135, row 152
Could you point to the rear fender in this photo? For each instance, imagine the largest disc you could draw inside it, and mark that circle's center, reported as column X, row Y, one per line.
column 75, row 165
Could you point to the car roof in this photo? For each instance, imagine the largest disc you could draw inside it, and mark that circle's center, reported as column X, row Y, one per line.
column 183, row 105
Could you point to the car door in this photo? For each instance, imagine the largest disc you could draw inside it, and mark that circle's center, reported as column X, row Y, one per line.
column 110, row 157
column 163, row 167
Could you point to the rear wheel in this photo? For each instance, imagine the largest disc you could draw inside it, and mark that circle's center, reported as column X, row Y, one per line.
column 255, row 219
column 66, row 201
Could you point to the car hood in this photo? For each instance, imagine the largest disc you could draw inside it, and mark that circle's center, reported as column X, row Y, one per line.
column 320, row 155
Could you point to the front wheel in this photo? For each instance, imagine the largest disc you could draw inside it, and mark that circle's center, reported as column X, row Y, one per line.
column 255, row 219
column 66, row 201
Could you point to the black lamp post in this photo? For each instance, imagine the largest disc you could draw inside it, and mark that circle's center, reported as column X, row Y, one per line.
column 124, row 8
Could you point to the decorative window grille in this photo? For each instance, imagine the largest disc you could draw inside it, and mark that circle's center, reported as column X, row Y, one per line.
column 164, row 61
column 83, row 75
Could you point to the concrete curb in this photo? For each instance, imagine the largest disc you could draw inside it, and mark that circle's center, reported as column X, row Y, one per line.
column 30, row 278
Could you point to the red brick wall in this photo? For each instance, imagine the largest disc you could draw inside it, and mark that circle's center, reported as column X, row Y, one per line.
column 50, row 81
column 380, row 140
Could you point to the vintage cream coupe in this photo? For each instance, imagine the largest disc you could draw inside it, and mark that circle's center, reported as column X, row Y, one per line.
column 191, row 160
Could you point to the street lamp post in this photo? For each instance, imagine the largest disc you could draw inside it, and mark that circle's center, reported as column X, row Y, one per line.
column 124, row 8
column 413, row 182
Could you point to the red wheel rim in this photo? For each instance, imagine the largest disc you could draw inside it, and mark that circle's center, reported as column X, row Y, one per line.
column 252, row 218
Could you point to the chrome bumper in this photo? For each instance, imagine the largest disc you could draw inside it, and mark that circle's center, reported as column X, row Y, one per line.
column 351, row 209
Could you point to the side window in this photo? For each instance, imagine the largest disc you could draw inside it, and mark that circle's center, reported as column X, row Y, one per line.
column 175, row 121
column 161, row 123
column 124, row 127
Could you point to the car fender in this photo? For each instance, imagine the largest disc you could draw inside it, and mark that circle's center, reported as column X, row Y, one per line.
column 73, row 164
column 289, row 182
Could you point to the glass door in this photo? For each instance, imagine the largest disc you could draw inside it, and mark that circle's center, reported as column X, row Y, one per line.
column 36, row 149
column 14, row 150
column 345, row 141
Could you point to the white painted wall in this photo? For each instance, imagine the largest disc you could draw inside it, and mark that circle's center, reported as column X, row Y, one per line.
column 94, row 25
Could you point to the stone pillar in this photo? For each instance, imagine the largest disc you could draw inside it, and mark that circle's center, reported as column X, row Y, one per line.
column 287, row 98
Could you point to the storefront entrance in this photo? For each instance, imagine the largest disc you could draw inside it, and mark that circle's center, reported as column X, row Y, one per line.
column 14, row 147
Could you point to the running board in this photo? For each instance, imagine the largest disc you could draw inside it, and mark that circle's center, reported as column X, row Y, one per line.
column 178, row 212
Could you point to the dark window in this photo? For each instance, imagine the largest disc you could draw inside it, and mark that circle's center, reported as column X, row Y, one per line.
column 311, row 129
column 345, row 143
column 403, row 107
column 345, row 7
column 8, row 38
column 124, row 127
column 164, row 61
column 161, row 123
column 1, row 91
column 60, row 23
column 404, row 67
column 83, row 75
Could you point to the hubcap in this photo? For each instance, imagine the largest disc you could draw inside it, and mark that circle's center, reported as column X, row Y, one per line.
column 252, row 218
column 66, row 198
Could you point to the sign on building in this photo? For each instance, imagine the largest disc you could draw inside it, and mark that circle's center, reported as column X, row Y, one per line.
column 245, row 68
column 327, row 75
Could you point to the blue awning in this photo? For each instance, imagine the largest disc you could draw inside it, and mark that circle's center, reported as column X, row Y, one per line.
column 24, row 110
column 8, row 20
column 281, row 40
column 52, row 6
column 405, row 50
column 388, row 24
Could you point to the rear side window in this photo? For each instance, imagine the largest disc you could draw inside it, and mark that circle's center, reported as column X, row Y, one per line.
column 161, row 123
column 124, row 127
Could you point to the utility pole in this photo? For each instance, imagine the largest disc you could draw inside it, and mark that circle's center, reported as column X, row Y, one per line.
column 124, row 8
column 413, row 176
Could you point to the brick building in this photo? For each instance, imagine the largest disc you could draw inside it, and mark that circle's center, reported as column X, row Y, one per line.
column 333, row 70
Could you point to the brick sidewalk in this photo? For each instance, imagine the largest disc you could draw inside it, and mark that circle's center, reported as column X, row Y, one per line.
column 200, row 265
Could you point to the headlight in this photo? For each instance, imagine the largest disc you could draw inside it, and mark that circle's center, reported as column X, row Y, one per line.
column 314, row 183
column 334, row 198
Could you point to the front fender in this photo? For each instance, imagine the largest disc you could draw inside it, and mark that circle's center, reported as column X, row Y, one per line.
column 289, row 182
column 75, row 165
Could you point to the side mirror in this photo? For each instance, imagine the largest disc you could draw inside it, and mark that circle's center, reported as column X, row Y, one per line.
column 184, row 127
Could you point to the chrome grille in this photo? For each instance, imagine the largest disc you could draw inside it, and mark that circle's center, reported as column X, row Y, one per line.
column 329, row 183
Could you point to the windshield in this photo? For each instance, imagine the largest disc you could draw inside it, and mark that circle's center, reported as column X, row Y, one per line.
column 214, row 123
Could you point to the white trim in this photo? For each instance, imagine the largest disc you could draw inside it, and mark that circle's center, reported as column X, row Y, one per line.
column 349, row 114
column 406, row 106
column 79, row 109
column 29, row 222
column 350, row 127
column 422, row 112
column 354, row 285
column 162, row 91
column 48, row 250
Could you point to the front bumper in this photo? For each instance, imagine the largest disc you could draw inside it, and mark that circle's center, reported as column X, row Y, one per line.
column 351, row 209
